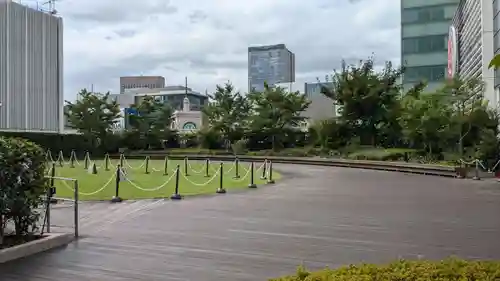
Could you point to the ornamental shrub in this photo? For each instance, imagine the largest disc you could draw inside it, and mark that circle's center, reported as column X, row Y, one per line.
column 451, row 269
column 22, row 184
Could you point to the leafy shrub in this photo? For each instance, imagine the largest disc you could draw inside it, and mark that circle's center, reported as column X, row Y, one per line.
column 22, row 182
column 209, row 139
column 240, row 146
column 446, row 270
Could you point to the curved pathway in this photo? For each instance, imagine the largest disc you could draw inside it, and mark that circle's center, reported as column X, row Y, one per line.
column 317, row 216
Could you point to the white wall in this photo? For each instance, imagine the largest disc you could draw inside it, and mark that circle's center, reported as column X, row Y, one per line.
column 31, row 69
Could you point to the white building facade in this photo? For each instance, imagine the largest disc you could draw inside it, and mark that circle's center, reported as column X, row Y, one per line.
column 471, row 45
column 186, row 121
column 31, row 69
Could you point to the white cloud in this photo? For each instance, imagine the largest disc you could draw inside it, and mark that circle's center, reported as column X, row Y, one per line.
column 208, row 40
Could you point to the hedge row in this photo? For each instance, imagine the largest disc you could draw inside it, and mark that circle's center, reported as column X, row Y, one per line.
column 54, row 142
column 447, row 270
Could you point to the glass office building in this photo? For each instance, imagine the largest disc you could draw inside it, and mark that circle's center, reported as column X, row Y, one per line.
column 424, row 39
column 273, row 64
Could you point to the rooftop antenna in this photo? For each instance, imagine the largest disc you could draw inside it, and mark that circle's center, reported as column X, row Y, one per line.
column 51, row 6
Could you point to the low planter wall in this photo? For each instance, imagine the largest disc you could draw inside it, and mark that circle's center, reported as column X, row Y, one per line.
column 49, row 241
column 404, row 167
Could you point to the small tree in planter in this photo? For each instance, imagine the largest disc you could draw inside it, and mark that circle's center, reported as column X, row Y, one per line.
column 22, row 183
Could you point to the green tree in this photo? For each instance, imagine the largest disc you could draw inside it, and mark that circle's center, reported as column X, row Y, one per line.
column 93, row 115
column 276, row 111
column 227, row 113
column 369, row 99
column 151, row 121
column 425, row 119
column 466, row 96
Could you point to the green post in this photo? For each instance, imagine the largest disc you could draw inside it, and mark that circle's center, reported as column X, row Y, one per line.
column 264, row 170
column 176, row 195
column 52, row 174
column 147, row 164
column 270, row 180
column 52, row 183
column 237, row 168
column 207, row 166
column 86, row 161
column 122, row 159
column 94, row 168
column 116, row 198
column 61, row 156
column 221, row 189
column 165, row 166
column 106, row 162
column 186, row 166
column 72, row 159
column 252, row 183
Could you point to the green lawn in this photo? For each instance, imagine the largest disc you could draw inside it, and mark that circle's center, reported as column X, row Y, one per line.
column 141, row 185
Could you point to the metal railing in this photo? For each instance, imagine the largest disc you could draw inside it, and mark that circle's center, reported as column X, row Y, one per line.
column 56, row 211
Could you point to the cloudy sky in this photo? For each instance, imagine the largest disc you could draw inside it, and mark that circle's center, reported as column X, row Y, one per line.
column 207, row 40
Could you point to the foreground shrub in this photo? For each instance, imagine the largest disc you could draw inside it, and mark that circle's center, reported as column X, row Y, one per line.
column 446, row 270
column 22, row 182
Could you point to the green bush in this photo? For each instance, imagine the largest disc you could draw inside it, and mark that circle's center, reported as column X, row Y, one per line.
column 22, row 182
column 240, row 146
column 446, row 270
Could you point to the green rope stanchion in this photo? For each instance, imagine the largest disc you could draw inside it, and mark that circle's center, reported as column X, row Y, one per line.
column 165, row 166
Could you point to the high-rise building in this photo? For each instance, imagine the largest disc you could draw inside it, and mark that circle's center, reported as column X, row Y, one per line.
column 321, row 107
column 271, row 64
column 424, row 39
column 472, row 44
column 31, row 69
column 135, row 82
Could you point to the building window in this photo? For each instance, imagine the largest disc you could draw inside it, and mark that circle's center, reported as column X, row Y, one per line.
column 424, row 14
column 425, row 44
column 424, row 73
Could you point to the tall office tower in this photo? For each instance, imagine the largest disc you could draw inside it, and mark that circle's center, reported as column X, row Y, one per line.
column 272, row 64
column 473, row 41
column 31, row 69
column 135, row 82
column 424, row 40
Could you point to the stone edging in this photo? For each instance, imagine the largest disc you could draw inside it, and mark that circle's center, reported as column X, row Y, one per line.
column 436, row 170
column 49, row 241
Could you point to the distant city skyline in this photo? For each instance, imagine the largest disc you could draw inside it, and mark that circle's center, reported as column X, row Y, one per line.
column 208, row 40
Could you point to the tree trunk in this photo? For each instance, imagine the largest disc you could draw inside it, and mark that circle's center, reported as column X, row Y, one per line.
column 17, row 226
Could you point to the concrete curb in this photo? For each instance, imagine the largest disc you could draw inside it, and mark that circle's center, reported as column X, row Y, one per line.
column 434, row 170
column 49, row 241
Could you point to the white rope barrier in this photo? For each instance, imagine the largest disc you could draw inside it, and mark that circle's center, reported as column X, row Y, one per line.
column 216, row 172
column 194, row 170
column 125, row 161
column 244, row 177
column 147, row 189
column 91, row 193
column 200, row 184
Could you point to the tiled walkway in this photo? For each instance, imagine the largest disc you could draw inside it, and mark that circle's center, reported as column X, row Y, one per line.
column 317, row 216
